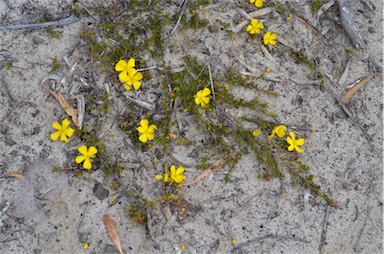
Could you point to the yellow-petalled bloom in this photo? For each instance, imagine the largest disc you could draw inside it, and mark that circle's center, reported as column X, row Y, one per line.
column 177, row 174
column 86, row 156
column 64, row 131
column 123, row 66
column 164, row 177
column 202, row 97
column 279, row 131
column 146, row 131
column 270, row 38
column 255, row 26
column 131, row 78
column 295, row 143
column 258, row 3
column 256, row 132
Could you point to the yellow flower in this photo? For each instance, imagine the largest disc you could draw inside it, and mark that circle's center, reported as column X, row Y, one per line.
column 164, row 177
column 279, row 131
column 202, row 97
column 123, row 66
column 270, row 38
column 258, row 3
column 172, row 175
column 255, row 26
column 64, row 131
column 131, row 77
column 146, row 132
column 294, row 144
column 234, row 242
column 87, row 155
column 183, row 247
column 86, row 245
column 256, row 132
column 177, row 174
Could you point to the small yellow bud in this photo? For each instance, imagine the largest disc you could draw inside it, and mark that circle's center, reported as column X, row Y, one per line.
column 86, row 246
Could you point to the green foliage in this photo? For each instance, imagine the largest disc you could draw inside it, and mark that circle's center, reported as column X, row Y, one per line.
column 105, row 161
column 316, row 5
column 124, row 37
column 7, row 64
column 56, row 64
column 53, row 33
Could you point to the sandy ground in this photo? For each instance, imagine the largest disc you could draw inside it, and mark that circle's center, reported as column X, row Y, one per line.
column 48, row 212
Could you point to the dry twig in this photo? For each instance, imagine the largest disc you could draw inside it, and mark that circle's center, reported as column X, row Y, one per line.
column 61, row 22
column 349, row 25
column 324, row 229
column 213, row 168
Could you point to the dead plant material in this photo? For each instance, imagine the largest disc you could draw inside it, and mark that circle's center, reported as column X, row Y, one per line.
column 15, row 175
column 110, row 225
column 213, row 168
column 354, row 89
column 68, row 108
column 349, row 24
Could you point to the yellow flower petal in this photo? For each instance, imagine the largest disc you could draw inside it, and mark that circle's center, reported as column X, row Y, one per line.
column 206, row 92
column 144, row 123
column 65, row 123
column 179, row 171
column 69, row 132
column 123, row 77
column 158, row 177
column 131, row 72
column 197, row 100
column 205, row 100
column 83, row 150
column 259, row 3
column 55, row 136
column 131, row 63
column 136, row 85
column 56, row 126
column 152, row 128
column 127, row 87
column 120, row 66
column 63, row 137
column 92, row 151
column 150, row 136
column 138, row 76
column 79, row 159
column 298, row 149
column 140, row 129
column 87, row 164
column 291, row 147
column 143, row 138
column 166, row 178
column 256, row 132
column 300, row 142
